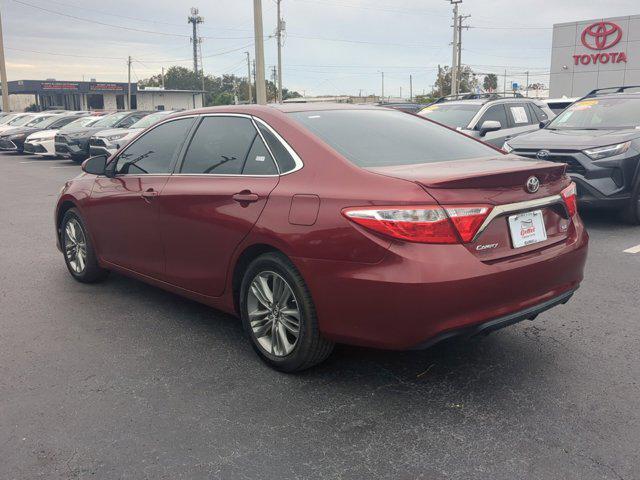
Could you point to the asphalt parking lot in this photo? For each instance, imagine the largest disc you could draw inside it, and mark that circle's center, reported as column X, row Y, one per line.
column 122, row 380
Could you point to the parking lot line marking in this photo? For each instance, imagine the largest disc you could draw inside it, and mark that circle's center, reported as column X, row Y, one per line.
column 65, row 166
column 32, row 161
column 635, row 249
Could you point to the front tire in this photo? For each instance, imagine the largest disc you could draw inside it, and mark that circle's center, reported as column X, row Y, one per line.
column 279, row 315
column 631, row 214
column 79, row 254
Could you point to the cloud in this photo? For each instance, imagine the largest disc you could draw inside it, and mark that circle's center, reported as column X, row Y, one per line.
column 331, row 46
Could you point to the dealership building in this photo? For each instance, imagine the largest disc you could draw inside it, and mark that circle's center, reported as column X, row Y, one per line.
column 49, row 94
column 590, row 54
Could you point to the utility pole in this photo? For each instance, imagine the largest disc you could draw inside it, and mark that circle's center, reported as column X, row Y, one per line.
column 461, row 18
column 382, row 96
column 274, row 79
column 280, row 29
column 129, row 82
column 411, row 88
column 504, row 88
column 261, row 90
column 3, row 74
column 250, row 95
column 162, row 77
column 195, row 19
column 527, row 85
column 454, row 56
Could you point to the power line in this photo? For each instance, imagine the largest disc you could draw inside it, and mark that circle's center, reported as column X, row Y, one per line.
column 63, row 54
column 121, row 27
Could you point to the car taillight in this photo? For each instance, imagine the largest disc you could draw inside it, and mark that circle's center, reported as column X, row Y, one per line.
column 569, row 195
column 423, row 224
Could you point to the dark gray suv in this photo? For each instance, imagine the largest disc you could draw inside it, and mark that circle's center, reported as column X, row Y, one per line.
column 598, row 137
column 492, row 118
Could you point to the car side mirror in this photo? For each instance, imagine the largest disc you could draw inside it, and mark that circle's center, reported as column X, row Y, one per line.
column 544, row 123
column 95, row 165
column 489, row 126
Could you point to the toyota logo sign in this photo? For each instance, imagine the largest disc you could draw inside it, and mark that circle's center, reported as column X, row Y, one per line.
column 533, row 184
column 601, row 35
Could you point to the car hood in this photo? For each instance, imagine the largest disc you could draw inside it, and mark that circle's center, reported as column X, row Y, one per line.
column 42, row 134
column 572, row 139
column 111, row 131
column 18, row 131
column 82, row 132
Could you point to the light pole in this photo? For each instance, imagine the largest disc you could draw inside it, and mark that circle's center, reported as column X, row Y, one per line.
column 261, row 91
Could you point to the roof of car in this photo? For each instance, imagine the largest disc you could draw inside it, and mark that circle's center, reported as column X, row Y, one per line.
column 284, row 108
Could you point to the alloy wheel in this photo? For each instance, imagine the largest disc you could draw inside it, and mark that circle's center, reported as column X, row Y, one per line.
column 274, row 313
column 75, row 246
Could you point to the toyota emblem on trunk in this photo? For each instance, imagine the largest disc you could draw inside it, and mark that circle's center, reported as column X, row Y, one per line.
column 533, row 184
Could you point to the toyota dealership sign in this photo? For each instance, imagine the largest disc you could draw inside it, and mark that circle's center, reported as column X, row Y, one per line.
column 601, row 36
column 595, row 54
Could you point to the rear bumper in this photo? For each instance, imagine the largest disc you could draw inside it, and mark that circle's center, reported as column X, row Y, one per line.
column 496, row 324
column 419, row 294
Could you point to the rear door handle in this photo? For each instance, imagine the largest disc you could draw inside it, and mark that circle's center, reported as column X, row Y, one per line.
column 246, row 197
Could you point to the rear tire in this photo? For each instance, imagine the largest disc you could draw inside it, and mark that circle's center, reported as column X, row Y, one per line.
column 79, row 254
column 279, row 315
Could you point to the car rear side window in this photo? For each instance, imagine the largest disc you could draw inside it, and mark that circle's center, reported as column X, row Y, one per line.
column 495, row 113
column 384, row 137
column 156, row 150
column 285, row 161
column 227, row 146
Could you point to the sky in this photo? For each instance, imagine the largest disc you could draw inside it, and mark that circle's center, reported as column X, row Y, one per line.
column 331, row 47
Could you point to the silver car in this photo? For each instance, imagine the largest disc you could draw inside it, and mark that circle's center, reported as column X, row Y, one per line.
column 493, row 120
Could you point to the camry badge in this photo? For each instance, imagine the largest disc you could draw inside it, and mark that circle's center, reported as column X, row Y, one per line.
column 533, row 184
column 542, row 154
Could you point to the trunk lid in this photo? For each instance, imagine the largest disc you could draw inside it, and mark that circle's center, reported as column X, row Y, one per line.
column 496, row 182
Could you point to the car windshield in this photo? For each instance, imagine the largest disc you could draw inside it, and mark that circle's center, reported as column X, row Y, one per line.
column 599, row 113
column 378, row 138
column 452, row 115
column 19, row 121
column 150, row 119
column 42, row 121
column 7, row 119
column 110, row 120
column 81, row 122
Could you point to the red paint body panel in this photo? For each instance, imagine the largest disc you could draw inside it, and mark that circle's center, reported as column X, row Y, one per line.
column 369, row 289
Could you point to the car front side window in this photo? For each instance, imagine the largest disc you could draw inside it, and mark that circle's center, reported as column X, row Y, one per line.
column 154, row 152
column 495, row 113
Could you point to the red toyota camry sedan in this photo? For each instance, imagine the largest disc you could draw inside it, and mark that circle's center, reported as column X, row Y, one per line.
column 324, row 224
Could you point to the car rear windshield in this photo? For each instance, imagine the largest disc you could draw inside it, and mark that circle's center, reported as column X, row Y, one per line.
column 600, row 113
column 380, row 138
column 456, row 116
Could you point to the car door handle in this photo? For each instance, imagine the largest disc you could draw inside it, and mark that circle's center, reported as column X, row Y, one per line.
column 148, row 194
column 246, row 197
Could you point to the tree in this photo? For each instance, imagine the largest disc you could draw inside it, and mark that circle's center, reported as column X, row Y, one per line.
column 490, row 82
column 442, row 87
column 219, row 90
